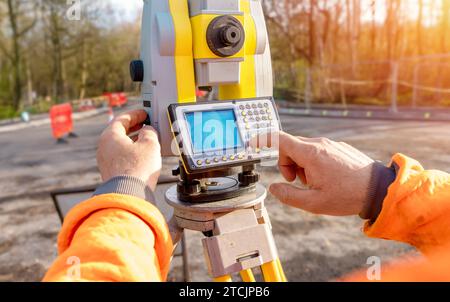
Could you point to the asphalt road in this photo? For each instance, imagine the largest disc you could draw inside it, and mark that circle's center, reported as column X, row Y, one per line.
column 312, row 248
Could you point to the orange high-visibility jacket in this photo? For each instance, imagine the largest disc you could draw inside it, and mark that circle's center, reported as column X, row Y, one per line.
column 122, row 238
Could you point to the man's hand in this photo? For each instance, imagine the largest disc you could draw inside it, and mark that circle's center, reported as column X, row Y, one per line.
column 118, row 154
column 337, row 176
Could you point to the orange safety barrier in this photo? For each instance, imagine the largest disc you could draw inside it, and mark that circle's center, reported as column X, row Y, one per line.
column 200, row 93
column 61, row 120
column 116, row 99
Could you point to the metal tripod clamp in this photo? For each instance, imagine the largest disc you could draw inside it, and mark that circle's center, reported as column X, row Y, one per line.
column 238, row 231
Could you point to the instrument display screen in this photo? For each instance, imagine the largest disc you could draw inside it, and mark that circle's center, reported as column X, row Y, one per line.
column 212, row 135
column 213, row 130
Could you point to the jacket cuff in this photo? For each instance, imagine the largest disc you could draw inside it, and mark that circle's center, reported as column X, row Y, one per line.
column 381, row 179
column 126, row 185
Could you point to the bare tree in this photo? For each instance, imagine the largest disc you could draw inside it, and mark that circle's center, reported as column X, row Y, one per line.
column 419, row 27
column 444, row 25
column 20, row 23
column 373, row 31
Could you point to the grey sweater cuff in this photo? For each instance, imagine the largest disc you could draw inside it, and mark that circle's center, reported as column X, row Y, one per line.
column 126, row 185
column 381, row 179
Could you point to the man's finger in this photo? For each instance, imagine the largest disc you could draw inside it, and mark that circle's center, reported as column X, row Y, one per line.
column 308, row 200
column 147, row 135
column 123, row 123
column 289, row 172
column 295, row 149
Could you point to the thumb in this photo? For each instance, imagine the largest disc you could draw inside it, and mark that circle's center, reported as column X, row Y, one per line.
column 308, row 200
column 147, row 135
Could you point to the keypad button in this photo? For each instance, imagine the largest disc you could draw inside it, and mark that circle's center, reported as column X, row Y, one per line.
column 208, row 161
column 241, row 156
column 247, row 127
column 232, row 157
column 242, row 107
column 260, row 105
column 262, row 111
column 264, row 118
column 224, row 158
column 266, row 105
column 250, row 113
column 254, row 106
column 270, row 118
column 256, row 112
column 244, row 113
column 199, row 162
column 257, row 119
column 248, row 106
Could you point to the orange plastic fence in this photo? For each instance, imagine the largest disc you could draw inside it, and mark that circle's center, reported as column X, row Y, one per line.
column 116, row 99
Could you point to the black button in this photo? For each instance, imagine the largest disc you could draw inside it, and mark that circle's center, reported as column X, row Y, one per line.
column 266, row 105
column 137, row 71
column 260, row 105
column 242, row 107
column 254, row 106
column 248, row 106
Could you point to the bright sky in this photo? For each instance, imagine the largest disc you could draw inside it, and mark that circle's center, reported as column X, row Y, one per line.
column 127, row 9
column 411, row 10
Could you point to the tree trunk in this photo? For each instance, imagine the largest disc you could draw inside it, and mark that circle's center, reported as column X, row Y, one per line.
column 444, row 24
column 312, row 31
column 373, row 33
column 351, row 34
column 29, row 83
column 58, row 81
column 17, row 90
column 84, row 70
column 419, row 29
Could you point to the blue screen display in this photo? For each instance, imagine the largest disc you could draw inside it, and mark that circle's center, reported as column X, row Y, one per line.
column 213, row 130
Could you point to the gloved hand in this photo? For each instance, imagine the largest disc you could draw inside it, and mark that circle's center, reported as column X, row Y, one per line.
column 119, row 154
column 336, row 175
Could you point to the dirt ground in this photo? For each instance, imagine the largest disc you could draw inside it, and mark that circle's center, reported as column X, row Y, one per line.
column 312, row 248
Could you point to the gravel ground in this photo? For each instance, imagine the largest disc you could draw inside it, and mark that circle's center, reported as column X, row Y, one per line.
column 312, row 248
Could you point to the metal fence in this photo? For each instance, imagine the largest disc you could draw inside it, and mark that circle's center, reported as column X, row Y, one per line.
column 407, row 82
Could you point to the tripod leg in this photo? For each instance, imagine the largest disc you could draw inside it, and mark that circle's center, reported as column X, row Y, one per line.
column 280, row 269
column 223, row 279
column 247, row 276
column 270, row 272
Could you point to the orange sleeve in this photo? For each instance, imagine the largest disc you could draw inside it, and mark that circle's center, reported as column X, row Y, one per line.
column 416, row 209
column 113, row 238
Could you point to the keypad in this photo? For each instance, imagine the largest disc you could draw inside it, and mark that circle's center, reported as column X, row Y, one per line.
column 255, row 117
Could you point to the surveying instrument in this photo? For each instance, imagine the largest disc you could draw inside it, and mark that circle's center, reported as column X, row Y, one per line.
column 220, row 46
